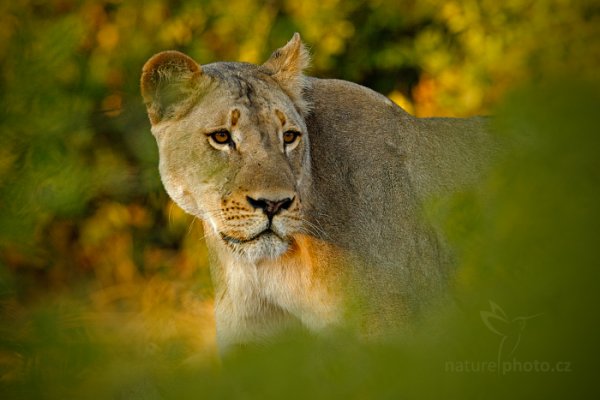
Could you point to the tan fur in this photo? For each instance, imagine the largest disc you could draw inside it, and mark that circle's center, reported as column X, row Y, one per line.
column 347, row 242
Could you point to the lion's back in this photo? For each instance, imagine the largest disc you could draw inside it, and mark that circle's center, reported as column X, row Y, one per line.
column 373, row 165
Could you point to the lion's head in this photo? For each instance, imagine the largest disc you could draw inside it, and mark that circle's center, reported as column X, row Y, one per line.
column 233, row 144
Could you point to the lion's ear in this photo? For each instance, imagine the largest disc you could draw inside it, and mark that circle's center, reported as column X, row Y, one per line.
column 170, row 85
column 286, row 66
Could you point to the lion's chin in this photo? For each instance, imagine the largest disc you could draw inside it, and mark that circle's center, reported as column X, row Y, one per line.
column 266, row 245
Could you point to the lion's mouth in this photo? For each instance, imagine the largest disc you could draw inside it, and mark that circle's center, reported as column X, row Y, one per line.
column 264, row 233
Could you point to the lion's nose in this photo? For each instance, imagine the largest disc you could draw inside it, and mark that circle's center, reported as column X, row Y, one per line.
column 270, row 207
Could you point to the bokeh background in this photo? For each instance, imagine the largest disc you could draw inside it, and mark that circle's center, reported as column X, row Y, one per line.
column 104, row 281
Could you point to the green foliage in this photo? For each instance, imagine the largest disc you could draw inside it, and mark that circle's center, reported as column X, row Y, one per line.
column 104, row 282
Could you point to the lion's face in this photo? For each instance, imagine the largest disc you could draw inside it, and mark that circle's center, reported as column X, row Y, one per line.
column 238, row 160
column 233, row 144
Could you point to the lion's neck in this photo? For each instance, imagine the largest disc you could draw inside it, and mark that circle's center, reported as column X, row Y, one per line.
column 264, row 295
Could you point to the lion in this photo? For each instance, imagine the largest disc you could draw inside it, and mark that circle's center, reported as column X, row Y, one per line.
column 310, row 191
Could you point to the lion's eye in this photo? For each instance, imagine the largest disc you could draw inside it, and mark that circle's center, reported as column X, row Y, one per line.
column 290, row 137
column 221, row 137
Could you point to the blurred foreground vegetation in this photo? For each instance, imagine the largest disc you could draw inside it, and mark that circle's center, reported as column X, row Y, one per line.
column 104, row 282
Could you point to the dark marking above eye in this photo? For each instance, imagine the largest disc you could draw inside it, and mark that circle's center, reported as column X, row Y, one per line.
column 281, row 117
column 235, row 116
